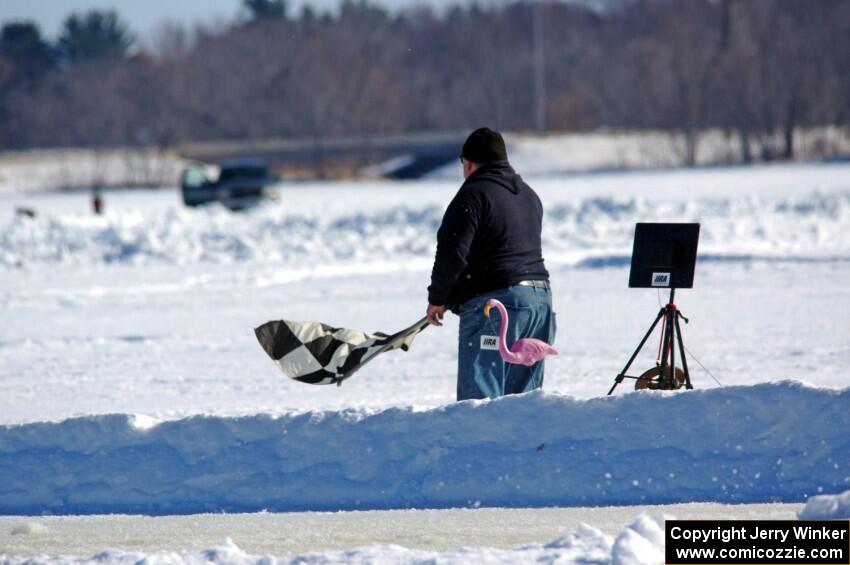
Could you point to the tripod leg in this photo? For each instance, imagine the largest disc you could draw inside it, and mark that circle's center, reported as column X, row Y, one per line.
column 619, row 378
column 665, row 352
column 688, row 384
column 671, row 380
column 666, row 380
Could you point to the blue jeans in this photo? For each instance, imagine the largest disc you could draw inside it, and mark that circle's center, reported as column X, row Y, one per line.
column 481, row 372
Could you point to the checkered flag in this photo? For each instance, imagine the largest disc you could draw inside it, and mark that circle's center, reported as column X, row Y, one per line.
column 315, row 353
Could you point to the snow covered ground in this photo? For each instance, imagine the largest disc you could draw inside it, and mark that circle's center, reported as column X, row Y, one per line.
column 151, row 308
column 148, row 313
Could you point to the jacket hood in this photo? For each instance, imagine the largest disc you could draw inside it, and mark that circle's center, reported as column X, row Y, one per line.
column 500, row 173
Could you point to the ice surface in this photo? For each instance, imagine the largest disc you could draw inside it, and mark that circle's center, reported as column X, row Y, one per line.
column 635, row 542
column 585, row 546
column 268, row 533
column 30, row 529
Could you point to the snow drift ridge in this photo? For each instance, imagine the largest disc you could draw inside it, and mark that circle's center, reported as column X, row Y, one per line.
column 581, row 231
column 772, row 442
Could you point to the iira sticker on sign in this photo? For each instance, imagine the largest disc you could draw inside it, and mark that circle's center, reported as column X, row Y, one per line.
column 660, row 279
column 490, row 342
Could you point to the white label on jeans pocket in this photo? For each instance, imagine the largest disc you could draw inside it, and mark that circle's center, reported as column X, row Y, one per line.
column 490, row 342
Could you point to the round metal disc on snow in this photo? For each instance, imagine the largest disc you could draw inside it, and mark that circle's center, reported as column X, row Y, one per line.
column 651, row 379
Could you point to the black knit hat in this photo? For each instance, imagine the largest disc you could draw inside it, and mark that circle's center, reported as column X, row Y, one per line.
column 484, row 146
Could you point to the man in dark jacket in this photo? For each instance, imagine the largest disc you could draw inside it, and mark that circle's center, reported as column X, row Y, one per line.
column 488, row 246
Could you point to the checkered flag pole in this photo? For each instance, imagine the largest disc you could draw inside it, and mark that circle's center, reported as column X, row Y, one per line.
column 315, row 353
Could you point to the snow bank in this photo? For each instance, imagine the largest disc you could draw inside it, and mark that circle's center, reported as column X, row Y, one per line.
column 588, row 231
column 640, row 543
column 771, row 442
column 50, row 169
column 557, row 154
column 827, row 507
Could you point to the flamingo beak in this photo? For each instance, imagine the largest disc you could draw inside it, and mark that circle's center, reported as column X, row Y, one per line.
column 487, row 310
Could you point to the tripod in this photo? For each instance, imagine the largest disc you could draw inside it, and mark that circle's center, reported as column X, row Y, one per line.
column 668, row 377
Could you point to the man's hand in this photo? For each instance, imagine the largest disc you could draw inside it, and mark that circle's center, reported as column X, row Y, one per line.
column 435, row 314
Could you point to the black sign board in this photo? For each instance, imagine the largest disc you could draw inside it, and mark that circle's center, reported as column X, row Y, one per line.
column 664, row 256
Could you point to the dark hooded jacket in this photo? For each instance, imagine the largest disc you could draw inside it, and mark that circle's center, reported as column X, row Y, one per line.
column 489, row 238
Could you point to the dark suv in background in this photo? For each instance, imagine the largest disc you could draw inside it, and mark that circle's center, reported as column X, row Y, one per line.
column 237, row 183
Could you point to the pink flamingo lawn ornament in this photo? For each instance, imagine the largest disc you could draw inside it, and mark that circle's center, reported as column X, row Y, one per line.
column 526, row 351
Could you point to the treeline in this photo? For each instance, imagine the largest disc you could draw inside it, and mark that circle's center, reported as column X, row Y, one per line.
column 755, row 68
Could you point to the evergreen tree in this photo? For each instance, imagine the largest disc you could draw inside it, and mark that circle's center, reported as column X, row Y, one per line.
column 24, row 55
column 266, row 9
column 362, row 13
column 94, row 35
